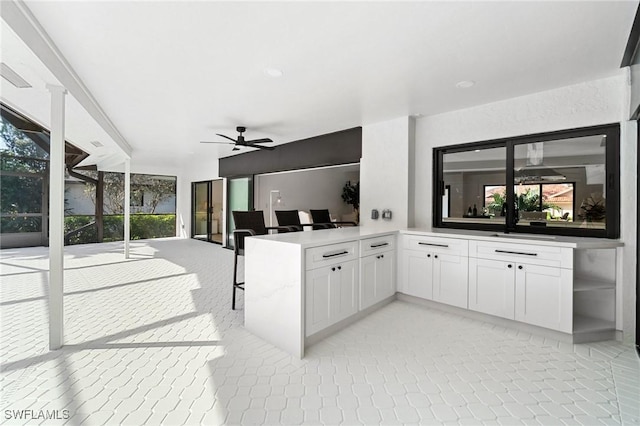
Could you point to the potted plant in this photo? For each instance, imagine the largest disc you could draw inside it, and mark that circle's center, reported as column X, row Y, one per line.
column 351, row 195
column 593, row 209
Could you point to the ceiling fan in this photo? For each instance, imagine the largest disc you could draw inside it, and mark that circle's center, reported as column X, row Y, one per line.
column 241, row 141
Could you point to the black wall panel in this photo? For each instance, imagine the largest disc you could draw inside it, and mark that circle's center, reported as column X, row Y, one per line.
column 332, row 149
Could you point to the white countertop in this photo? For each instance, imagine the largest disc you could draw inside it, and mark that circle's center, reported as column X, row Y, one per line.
column 518, row 238
column 332, row 236
column 323, row 237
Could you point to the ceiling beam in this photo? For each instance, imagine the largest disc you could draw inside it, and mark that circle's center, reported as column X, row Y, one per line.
column 18, row 16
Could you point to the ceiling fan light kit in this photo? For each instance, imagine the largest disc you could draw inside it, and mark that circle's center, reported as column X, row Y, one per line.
column 241, row 141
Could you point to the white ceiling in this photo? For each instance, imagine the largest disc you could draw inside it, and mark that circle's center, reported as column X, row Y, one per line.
column 169, row 74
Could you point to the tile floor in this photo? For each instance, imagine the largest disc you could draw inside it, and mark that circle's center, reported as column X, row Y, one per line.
column 152, row 340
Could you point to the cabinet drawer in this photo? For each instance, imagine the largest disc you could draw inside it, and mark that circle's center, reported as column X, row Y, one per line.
column 436, row 244
column 561, row 257
column 327, row 255
column 377, row 245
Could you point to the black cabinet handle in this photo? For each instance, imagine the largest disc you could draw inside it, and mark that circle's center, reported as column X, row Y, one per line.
column 339, row 267
column 509, row 266
column 340, row 253
column 520, row 267
column 379, row 245
column 381, row 256
column 435, row 255
column 516, row 252
column 433, row 244
column 333, row 269
column 428, row 255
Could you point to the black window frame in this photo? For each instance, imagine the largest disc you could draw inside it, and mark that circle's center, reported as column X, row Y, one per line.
column 612, row 170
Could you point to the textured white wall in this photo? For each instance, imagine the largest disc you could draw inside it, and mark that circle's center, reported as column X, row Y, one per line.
column 587, row 104
column 385, row 172
column 581, row 105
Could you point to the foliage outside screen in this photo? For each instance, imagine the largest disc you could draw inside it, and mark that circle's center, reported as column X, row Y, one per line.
column 143, row 226
column 20, row 224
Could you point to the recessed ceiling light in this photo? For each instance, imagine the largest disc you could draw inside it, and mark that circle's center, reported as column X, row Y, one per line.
column 465, row 84
column 273, row 72
column 97, row 144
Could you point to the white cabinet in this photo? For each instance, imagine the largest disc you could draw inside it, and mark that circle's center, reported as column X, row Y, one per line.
column 416, row 267
column 544, row 296
column 492, row 287
column 331, row 295
column 435, row 268
column 377, row 269
column 528, row 283
column 376, row 278
column 534, row 294
column 450, row 279
column 339, row 283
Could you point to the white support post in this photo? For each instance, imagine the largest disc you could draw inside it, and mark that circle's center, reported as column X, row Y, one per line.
column 127, row 206
column 56, row 217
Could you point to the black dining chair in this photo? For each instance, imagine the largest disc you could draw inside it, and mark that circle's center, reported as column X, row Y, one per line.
column 291, row 218
column 248, row 223
column 322, row 220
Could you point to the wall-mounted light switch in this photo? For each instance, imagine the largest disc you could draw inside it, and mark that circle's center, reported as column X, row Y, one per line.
column 374, row 214
column 386, row 214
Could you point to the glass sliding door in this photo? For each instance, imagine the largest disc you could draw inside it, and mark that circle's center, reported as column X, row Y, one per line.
column 207, row 214
column 239, row 197
column 201, row 200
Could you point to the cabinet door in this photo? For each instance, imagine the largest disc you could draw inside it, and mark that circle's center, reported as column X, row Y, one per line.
column 368, row 281
column 492, row 287
column 318, row 303
column 544, row 296
column 376, row 278
column 450, row 284
column 344, row 286
column 385, row 273
column 417, row 270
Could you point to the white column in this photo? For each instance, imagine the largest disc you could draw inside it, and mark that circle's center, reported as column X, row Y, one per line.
column 127, row 206
column 56, row 218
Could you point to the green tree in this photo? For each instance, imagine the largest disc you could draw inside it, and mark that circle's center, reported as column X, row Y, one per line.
column 152, row 189
column 22, row 192
column 528, row 201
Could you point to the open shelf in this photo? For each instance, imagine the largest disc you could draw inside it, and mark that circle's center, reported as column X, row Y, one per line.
column 587, row 284
column 584, row 324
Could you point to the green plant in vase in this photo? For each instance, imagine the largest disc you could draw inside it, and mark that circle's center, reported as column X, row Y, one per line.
column 351, row 196
column 593, row 209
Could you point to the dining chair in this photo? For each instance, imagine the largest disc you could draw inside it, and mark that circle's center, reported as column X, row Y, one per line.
column 247, row 224
column 322, row 220
column 289, row 218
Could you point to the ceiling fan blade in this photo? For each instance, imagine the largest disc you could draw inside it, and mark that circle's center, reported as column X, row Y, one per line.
column 268, row 148
column 265, row 140
column 223, row 143
column 227, row 137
